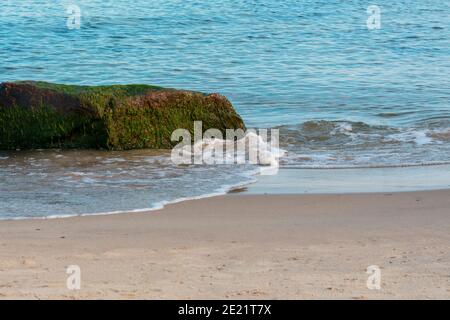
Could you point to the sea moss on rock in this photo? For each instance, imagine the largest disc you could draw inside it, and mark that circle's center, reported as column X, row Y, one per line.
column 116, row 117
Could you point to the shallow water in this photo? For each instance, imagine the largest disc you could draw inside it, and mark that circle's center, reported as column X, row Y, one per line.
column 342, row 95
column 353, row 180
column 65, row 183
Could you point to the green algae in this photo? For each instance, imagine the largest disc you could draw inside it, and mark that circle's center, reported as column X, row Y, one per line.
column 116, row 117
column 43, row 128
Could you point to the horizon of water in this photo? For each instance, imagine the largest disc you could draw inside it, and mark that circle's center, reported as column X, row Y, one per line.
column 342, row 96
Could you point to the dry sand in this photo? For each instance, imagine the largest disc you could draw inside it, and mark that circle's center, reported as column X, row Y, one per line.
column 239, row 246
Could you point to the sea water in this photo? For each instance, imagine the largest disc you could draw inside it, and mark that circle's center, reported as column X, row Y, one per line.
column 343, row 95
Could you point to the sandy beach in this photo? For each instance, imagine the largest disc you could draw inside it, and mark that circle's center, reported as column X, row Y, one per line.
column 237, row 247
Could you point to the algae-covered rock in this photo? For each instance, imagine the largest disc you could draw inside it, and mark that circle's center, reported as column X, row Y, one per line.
column 116, row 117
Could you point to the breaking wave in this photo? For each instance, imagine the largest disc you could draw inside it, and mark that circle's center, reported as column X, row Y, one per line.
column 331, row 144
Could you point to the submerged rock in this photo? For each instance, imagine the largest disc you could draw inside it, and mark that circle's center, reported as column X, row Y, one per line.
column 116, row 117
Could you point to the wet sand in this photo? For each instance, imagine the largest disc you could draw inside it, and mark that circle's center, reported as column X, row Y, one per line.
column 239, row 246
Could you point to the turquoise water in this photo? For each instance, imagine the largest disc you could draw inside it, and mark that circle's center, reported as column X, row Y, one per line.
column 341, row 94
column 280, row 62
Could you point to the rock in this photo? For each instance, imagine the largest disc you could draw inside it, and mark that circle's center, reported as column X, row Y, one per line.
column 117, row 117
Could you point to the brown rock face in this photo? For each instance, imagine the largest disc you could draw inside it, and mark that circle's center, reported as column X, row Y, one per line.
column 30, row 96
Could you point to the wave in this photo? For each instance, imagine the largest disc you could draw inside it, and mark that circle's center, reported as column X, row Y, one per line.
column 324, row 129
column 220, row 151
column 343, row 144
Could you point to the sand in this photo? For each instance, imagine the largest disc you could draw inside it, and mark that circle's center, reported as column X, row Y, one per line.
column 238, row 247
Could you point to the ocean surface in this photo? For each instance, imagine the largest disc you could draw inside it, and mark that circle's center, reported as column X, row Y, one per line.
column 342, row 96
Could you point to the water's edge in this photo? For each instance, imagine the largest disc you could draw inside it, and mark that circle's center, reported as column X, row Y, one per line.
column 288, row 181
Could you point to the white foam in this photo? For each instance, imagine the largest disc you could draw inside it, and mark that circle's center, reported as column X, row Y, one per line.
column 81, row 174
column 88, row 180
column 343, row 127
column 419, row 137
column 267, row 154
column 422, row 138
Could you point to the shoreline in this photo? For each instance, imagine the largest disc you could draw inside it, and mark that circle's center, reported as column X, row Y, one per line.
column 239, row 246
column 158, row 206
column 332, row 181
column 242, row 190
